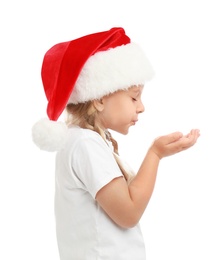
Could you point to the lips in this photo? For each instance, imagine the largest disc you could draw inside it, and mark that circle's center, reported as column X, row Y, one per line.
column 134, row 122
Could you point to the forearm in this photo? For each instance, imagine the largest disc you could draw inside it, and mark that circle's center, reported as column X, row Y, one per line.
column 124, row 203
column 142, row 186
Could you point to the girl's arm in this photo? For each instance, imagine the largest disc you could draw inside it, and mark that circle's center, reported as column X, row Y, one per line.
column 124, row 203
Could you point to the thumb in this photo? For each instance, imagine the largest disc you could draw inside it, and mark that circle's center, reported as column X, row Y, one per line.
column 173, row 137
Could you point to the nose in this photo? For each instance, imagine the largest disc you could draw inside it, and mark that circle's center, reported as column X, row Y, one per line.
column 140, row 107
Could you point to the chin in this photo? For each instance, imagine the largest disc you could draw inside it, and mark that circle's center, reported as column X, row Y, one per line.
column 121, row 131
column 124, row 132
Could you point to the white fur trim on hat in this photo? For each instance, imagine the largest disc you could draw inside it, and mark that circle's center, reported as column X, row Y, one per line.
column 108, row 71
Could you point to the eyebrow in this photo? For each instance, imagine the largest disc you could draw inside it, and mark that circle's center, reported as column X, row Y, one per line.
column 136, row 91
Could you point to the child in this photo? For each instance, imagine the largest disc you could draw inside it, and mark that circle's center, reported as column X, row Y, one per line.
column 99, row 201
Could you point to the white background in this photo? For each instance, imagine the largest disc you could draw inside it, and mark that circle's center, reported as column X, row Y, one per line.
column 180, row 39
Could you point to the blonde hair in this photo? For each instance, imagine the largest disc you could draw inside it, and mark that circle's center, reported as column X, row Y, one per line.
column 85, row 115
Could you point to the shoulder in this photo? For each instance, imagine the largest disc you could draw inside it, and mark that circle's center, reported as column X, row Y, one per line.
column 76, row 134
column 79, row 138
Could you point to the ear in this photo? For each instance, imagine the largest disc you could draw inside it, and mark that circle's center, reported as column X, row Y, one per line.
column 98, row 104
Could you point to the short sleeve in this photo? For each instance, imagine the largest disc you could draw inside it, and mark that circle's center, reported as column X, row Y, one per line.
column 93, row 163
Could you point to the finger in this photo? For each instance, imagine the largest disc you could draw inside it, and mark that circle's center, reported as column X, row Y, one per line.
column 189, row 141
column 194, row 133
column 173, row 137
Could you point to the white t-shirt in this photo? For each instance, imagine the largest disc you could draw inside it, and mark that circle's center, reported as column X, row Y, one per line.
column 84, row 230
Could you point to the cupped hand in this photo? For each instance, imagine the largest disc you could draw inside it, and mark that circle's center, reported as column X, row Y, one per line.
column 173, row 143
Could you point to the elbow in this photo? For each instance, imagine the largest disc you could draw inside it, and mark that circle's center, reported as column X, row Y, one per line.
column 128, row 222
column 128, row 225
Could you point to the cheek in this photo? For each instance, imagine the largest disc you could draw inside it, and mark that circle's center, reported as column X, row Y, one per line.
column 122, row 115
column 111, row 116
column 112, row 107
column 117, row 110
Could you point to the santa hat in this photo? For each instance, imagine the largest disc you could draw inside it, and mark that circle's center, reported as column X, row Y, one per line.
column 85, row 69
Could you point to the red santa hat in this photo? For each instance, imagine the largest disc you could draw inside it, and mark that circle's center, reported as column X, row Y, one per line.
column 84, row 69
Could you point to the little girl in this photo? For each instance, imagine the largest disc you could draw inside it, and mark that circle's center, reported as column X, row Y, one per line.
column 99, row 79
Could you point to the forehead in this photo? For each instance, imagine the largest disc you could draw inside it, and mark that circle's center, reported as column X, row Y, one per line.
column 136, row 89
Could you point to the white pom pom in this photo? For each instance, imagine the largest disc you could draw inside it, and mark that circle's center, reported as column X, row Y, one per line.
column 49, row 135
